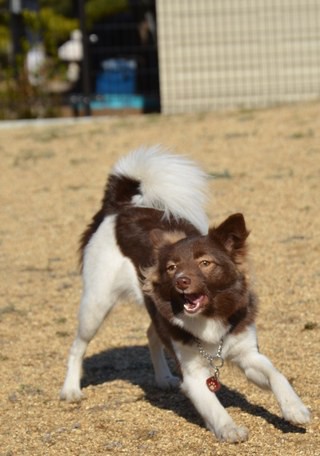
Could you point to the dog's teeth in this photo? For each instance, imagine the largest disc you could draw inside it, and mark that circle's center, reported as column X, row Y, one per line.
column 194, row 302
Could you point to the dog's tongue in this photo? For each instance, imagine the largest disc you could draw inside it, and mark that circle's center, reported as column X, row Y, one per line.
column 193, row 302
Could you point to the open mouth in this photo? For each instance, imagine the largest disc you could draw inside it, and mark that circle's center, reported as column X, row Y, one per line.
column 194, row 302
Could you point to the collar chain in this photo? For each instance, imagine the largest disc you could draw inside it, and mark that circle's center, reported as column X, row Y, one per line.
column 216, row 361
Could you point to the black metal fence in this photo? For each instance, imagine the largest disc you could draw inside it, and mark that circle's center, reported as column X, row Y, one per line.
column 120, row 71
column 108, row 65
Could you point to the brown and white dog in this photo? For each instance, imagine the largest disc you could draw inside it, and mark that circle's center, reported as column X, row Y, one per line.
column 150, row 239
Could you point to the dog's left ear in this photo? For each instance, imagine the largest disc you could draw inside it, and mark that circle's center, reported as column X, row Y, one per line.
column 232, row 233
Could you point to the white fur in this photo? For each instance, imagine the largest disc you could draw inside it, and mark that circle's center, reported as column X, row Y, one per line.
column 107, row 275
column 241, row 350
column 169, row 182
column 205, row 329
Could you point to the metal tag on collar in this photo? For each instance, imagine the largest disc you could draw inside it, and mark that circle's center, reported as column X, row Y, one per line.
column 213, row 384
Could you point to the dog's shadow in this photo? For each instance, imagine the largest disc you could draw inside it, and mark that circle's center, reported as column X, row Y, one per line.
column 133, row 364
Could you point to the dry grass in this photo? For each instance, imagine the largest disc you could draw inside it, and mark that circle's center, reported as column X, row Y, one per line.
column 266, row 164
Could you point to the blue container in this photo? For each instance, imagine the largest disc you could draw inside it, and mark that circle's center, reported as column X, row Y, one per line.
column 118, row 77
column 119, row 101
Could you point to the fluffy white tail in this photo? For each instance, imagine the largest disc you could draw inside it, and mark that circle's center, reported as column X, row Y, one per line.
column 168, row 182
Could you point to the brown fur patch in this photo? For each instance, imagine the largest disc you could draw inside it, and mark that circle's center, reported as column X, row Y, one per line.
column 159, row 237
column 149, row 276
column 118, row 192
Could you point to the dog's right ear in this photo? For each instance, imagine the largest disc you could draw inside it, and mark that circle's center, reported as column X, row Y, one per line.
column 232, row 233
column 160, row 238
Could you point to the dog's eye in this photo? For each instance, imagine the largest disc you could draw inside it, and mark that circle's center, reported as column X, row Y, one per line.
column 171, row 267
column 205, row 263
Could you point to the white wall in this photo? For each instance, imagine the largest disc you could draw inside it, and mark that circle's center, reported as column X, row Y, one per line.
column 237, row 53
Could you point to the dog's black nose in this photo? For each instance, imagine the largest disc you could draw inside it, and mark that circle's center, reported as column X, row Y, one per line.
column 183, row 282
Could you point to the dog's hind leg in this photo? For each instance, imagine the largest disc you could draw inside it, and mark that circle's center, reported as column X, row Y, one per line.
column 107, row 275
column 71, row 391
column 163, row 375
column 92, row 313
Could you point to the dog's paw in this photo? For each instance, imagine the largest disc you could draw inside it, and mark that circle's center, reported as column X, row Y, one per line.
column 71, row 395
column 232, row 433
column 296, row 413
column 168, row 382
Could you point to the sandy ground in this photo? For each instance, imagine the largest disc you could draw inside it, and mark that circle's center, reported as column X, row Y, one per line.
column 263, row 163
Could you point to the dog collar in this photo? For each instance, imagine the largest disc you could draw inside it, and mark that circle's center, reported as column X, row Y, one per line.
column 216, row 362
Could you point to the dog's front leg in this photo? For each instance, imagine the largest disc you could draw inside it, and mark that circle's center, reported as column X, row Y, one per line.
column 163, row 375
column 213, row 413
column 259, row 369
column 195, row 374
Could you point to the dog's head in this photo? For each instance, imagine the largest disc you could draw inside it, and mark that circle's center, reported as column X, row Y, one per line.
column 199, row 274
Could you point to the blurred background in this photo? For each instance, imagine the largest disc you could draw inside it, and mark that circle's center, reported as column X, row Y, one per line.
column 96, row 57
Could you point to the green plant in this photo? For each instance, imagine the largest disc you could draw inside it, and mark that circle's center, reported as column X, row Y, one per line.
column 20, row 100
column 53, row 27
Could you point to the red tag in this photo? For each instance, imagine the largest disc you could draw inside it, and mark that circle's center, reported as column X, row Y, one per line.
column 213, row 384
